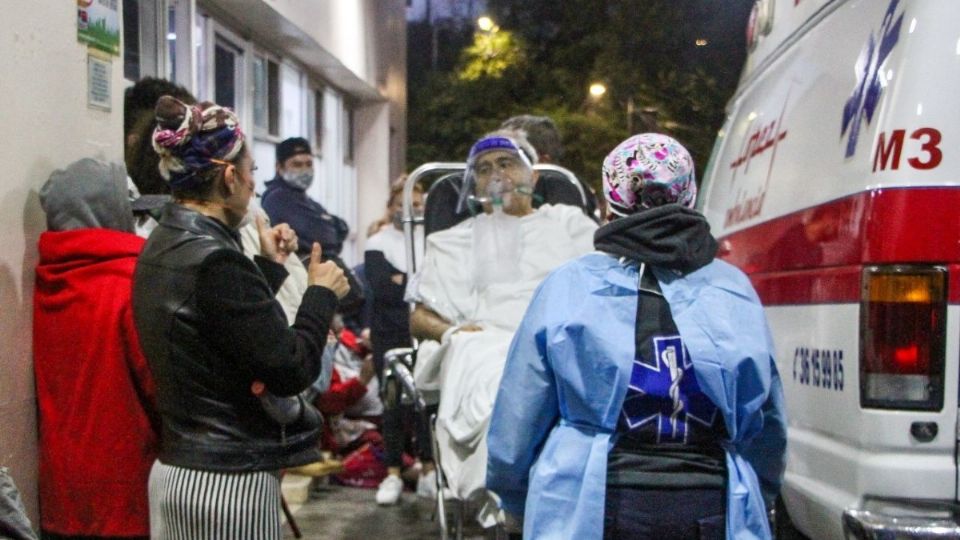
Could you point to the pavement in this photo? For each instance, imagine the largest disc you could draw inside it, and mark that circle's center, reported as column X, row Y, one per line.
column 333, row 512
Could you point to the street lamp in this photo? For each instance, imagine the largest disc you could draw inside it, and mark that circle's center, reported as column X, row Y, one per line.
column 486, row 24
column 598, row 89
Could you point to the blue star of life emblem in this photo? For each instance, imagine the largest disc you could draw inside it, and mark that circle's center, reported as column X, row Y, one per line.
column 664, row 394
column 866, row 93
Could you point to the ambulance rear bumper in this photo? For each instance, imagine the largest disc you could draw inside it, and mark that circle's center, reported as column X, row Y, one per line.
column 902, row 519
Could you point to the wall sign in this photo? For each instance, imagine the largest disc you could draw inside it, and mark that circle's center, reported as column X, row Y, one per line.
column 98, row 82
column 98, row 24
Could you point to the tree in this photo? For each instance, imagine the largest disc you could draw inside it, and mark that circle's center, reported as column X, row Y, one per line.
column 546, row 54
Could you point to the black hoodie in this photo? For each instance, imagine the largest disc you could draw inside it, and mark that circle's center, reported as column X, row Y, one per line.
column 669, row 236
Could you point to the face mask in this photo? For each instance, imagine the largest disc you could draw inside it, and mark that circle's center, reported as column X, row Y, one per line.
column 300, row 180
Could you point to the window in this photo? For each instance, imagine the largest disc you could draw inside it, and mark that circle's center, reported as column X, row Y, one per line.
column 200, row 59
column 227, row 74
column 140, row 38
column 131, row 39
column 266, row 95
column 172, row 41
column 294, row 100
column 179, row 42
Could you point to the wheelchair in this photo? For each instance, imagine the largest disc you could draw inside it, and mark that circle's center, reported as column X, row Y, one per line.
column 556, row 185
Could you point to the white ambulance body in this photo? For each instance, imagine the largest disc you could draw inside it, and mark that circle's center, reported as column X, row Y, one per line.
column 835, row 184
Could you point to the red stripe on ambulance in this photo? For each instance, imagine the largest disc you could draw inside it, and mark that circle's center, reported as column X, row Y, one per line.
column 816, row 255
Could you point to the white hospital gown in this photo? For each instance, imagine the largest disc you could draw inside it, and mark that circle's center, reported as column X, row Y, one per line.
column 468, row 368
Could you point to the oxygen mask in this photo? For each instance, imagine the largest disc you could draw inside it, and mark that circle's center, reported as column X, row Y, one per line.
column 498, row 170
column 500, row 191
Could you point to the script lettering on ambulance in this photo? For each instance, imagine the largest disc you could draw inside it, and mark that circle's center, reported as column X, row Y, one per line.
column 762, row 139
column 819, row 368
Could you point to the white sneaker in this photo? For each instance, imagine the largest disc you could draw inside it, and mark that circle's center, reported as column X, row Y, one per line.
column 389, row 490
column 427, row 485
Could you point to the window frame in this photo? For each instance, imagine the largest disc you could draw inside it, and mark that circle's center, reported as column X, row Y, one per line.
column 317, row 107
column 348, row 114
column 274, row 98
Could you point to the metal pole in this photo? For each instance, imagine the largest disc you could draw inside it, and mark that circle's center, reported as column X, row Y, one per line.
column 408, row 223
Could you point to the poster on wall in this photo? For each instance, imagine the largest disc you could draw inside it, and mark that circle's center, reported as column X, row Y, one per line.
column 98, row 24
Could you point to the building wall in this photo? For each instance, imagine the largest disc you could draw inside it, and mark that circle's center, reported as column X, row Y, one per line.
column 47, row 125
column 358, row 49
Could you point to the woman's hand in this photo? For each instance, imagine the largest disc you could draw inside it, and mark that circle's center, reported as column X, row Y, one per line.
column 276, row 243
column 326, row 274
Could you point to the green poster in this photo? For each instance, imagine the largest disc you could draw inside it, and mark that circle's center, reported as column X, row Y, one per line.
column 98, row 24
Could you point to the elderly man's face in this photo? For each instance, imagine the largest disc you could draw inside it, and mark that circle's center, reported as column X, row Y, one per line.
column 507, row 168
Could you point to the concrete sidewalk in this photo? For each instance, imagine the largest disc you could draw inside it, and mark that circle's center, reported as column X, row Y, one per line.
column 343, row 513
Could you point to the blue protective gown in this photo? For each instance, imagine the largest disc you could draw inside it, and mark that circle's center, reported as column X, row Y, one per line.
column 566, row 378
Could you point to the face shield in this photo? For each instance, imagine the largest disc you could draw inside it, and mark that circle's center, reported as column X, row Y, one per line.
column 498, row 169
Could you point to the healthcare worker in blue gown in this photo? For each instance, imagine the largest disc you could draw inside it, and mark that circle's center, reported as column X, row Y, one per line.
column 640, row 398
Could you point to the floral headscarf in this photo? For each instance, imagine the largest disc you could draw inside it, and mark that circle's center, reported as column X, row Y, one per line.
column 191, row 139
column 648, row 170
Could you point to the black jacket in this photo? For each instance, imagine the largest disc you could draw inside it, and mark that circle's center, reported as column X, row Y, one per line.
column 287, row 204
column 209, row 326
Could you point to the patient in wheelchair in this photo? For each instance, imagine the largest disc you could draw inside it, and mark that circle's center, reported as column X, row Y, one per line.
column 473, row 289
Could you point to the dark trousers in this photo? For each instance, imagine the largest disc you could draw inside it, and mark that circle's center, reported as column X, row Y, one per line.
column 399, row 422
column 664, row 514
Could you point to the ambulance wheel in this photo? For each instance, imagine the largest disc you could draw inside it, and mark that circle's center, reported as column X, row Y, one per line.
column 783, row 528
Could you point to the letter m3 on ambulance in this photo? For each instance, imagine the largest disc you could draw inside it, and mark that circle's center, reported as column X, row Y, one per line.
column 835, row 185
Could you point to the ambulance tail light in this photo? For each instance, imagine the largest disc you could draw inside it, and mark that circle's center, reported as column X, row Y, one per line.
column 903, row 337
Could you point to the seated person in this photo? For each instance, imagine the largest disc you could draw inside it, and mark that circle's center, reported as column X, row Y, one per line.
column 476, row 281
column 352, row 412
column 353, row 399
column 285, row 200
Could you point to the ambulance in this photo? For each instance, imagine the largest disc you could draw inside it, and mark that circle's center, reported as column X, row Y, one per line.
column 835, row 185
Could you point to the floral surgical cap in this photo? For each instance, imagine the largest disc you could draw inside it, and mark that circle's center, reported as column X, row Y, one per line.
column 648, row 170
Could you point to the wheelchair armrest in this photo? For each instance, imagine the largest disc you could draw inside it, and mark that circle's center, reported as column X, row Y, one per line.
column 400, row 362
column 399, row 354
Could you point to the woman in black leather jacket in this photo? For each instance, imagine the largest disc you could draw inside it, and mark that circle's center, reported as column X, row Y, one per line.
column 213, row 334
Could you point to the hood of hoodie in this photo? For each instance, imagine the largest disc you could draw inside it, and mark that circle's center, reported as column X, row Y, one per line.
column 70, row 260
column 669, row 236
column 87, row 194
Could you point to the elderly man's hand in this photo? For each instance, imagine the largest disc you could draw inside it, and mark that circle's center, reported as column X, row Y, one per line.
column 465, row 327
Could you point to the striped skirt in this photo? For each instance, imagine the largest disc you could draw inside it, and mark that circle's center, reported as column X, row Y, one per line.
column 188, row 504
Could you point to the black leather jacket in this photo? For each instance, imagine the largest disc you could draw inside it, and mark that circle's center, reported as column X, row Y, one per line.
column 209, row 327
